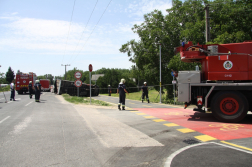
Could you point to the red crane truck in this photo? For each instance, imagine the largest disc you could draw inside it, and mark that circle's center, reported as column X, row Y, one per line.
column 22, row 81
column 224, row 84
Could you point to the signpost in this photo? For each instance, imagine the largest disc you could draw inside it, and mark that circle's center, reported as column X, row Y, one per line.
column 90, row 67
column 173, row 82
column 78, row 82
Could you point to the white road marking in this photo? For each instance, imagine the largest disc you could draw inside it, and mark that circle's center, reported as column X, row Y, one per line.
column 4, row 119
column 9, row 101
column 170, row 158
column 28, row 103
column 1, row 98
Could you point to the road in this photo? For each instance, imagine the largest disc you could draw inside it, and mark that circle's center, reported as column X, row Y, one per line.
column 57, row 133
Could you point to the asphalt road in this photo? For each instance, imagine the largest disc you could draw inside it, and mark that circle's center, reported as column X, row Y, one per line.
column 57, row 133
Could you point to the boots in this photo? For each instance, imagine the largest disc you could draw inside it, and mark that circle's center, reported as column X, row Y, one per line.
column 119, row 107
column 142, row 101
column 123, row 108
column 148, row 101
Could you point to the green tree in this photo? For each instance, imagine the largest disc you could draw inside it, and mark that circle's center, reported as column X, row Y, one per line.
column 9, row 75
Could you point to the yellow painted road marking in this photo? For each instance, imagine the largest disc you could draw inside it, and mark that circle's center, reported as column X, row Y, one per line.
column 149, row 117
column 158, row 120
column 141, row 114
column 171, row 124
column 205, row 138
column 235, row 145
column 134, row 111
column 186, row 130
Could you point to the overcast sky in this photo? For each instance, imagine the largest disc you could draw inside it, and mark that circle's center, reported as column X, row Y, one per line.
column 38, row 35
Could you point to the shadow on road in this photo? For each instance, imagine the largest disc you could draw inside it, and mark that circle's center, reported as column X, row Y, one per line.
column 208, row 117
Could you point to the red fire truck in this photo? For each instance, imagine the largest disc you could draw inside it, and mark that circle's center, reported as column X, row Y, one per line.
column 224, row 84
column 45, row 85
column 22, row 81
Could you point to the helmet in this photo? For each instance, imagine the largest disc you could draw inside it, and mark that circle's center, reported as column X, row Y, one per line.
column 37, row 81
column 108, row 85
column 30, row 82
column 123, row 80
column 145, row 82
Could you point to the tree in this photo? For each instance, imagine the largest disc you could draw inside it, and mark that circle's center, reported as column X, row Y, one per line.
column 9, row 75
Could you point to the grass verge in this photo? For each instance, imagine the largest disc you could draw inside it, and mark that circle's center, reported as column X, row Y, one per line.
column 153, row 96
column 5, row 89
column 83, row 100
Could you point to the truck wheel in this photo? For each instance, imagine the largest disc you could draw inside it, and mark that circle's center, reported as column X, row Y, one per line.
column 229, row 106
column 20, row 92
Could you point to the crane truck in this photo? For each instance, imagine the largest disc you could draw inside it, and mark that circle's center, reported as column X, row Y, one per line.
column 224, row 83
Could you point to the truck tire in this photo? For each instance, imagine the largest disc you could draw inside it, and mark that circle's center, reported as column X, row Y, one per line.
column 229, row 106
column 20, row 92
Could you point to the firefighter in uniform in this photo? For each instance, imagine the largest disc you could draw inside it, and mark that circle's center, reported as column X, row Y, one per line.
column 145, row 92
column 122, row 90
column 12, row 86
column 109, row 90
column 37, row 88
column 30, row 89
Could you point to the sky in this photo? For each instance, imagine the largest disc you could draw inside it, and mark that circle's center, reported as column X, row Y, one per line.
column 40, row 36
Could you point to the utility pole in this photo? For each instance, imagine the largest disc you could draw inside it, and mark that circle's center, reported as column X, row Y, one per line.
column 160, row 72
column 207, row 24
column 65, row 68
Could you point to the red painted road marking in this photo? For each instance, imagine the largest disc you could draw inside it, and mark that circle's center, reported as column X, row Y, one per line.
column 201, row 122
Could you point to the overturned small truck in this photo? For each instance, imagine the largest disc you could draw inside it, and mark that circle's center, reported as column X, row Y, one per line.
column 65, row 86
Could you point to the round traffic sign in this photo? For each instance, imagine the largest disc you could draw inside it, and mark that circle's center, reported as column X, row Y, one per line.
column 78, row 83
column 77, row 75
column 90, row 67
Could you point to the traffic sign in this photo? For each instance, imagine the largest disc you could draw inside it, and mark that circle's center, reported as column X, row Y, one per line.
column 78, row 83
column 174, row 82
column 77, row 75
column 90, row 67
column 172, row 74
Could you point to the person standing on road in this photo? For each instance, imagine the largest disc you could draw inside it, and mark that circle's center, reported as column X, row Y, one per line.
column 145, row 92
column 12, row 86
column 37, row 88
column 109, row 90
column 122, row 90
column 30, row 89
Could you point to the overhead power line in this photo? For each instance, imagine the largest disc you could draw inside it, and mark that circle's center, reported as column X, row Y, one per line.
column 85, row 27
column 68, row 31
column 94, row 28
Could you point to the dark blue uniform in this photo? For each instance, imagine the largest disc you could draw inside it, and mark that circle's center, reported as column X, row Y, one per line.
column 121, row 88
column 12, row 92
column 37, row 88
column 145, row 93
column 30, row 90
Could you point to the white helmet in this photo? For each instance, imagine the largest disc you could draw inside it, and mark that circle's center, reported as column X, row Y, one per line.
column 37, row 81
column 108, row 85
column 145, row 82
column 123, row 80
column 30, row 82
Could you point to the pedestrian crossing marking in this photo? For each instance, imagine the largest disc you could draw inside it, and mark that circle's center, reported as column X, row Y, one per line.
column 205, row 138
column 186, row 130
column 141, row 114
column 149, row 117
column 158, row 120
column 171, row 124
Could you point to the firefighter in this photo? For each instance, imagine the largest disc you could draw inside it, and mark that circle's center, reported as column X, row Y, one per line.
column 37, row 88
column 30, row 89
column 145, row 92
column 122, row 90
column 109, row 90
column 12, row 86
